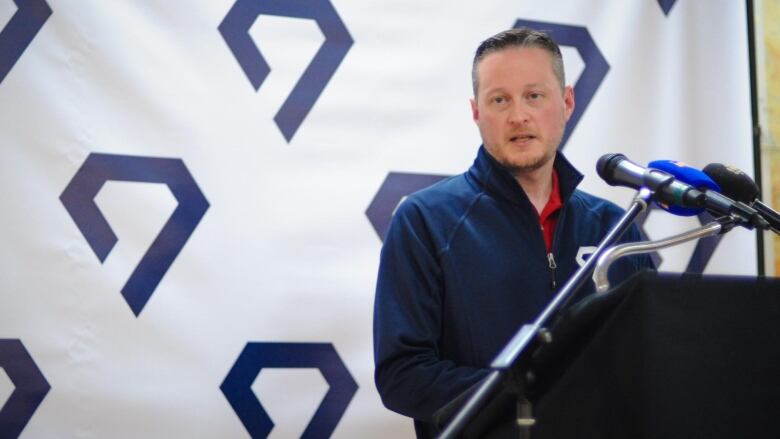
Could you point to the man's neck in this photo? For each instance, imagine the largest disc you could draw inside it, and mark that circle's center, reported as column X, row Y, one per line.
column 537, row 185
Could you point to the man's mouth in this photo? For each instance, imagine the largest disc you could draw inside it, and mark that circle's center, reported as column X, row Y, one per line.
column 522, row 138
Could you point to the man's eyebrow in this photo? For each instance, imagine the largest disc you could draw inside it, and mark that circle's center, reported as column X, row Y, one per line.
column 494, row 90
column 525, row 86
column 537, row 84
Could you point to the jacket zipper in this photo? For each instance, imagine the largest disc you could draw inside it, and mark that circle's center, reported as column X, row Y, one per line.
column 553, row 266
column 550, row 258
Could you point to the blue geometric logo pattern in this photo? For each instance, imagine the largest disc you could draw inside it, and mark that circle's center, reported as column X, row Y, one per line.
column 394, row 189
column 78, row 198
column 666, row 5
column 256, row 356
column 30, row 387
column 20, row 31
column 235, row 30
column 592, row 75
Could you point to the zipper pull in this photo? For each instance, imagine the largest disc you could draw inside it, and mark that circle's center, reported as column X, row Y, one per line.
column 553, row 266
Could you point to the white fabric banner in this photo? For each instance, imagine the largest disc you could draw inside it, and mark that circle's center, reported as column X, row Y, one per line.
column 221, row 284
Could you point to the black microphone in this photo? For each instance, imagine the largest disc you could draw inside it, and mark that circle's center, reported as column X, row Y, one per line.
column 617, row 170
column 733, row 182
column 741, row 187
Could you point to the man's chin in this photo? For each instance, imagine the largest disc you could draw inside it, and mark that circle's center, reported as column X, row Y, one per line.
column 527, row 164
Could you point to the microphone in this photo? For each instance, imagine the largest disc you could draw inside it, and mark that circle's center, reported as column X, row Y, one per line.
column 685, row 174
column 617, row 170
column 733, row 181
column 742, row 188
column 716, row 202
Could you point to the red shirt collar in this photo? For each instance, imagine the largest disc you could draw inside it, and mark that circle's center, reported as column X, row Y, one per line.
column 548, row 218
column 554, row 203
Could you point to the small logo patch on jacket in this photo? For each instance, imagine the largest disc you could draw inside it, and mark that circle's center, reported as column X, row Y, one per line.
column 583, row 253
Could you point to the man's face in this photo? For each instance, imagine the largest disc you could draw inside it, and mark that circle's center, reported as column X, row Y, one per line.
column 520, row 108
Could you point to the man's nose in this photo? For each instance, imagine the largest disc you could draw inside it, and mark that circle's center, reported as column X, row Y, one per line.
column 519, row 113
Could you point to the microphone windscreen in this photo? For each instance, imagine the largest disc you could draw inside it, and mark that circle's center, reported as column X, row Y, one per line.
column 605, row 166
column 735, row 183
column 684, row 174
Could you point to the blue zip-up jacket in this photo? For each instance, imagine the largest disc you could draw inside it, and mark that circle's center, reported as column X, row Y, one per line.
column 463, row 266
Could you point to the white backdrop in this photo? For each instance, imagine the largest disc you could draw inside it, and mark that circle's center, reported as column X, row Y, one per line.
column 285, row 251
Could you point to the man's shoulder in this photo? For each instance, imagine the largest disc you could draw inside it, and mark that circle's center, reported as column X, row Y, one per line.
column 595, row 205
column 448, row 194
column 438, row 208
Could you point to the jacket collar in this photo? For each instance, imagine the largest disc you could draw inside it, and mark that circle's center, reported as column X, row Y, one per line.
column 497, row 180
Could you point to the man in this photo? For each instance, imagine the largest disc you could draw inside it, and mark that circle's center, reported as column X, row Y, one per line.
column 469, row 260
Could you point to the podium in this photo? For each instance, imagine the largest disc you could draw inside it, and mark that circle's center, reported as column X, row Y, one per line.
column 663, row 356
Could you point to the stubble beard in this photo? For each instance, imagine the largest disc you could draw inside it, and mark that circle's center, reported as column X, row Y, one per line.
column 528, row 165
column 532, row 164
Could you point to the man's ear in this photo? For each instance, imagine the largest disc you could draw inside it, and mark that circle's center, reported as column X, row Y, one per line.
column 568, row 101
column 474, row 110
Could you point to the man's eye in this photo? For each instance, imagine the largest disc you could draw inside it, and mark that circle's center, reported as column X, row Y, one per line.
column 534, row 96
column 499, row 99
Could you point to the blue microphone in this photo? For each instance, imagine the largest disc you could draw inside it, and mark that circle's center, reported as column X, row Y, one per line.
column 686, row 174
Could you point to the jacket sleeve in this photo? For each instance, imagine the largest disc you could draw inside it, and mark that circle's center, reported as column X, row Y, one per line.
column 410, row 375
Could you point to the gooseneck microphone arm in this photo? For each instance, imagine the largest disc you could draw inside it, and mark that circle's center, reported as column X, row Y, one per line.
column 600, row 278
column 770, row 215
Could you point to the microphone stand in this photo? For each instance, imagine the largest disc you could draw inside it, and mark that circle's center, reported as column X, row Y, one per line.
column 770, row 215
column 536, row 331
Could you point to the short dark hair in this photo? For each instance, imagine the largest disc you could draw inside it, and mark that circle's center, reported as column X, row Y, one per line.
column 520, row 37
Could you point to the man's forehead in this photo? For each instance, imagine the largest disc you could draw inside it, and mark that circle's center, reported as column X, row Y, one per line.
column 517, row 59
column 525, row 58
column 517, row 51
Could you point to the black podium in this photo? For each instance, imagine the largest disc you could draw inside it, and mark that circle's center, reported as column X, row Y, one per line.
column 664, row 356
